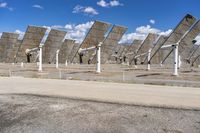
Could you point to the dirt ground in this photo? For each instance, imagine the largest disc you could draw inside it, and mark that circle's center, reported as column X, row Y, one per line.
column 41, row 114
column 188, row 77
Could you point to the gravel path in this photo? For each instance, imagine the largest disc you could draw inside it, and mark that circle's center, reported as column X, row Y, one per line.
column 42, row 114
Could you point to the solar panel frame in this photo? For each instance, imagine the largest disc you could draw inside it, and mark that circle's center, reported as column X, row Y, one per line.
column 7, row 43
column 111, row 40
column 186, row 44
column 157, row 58
column 173, row 38
column 123, row 50
column 133, row 48
column 145, row 46
column 94, row 36
column 32, row 39
column 65, row 50
column 193, row 51
column 73, row 57
column 52, row 44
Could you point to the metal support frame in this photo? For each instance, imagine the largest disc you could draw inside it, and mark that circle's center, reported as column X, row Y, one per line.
column 149, row 57
column 98, row 65
column 195, row 59
column 86, row 49
column 22, row 64
column 162, row 62
column 57, row 60
column 66, row 63
column 175, row 49
column 40, row 59
column 177, row 61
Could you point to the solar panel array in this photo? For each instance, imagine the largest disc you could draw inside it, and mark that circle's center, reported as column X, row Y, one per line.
column 195, row 60
column 73, row 57
column 52, row 44
column 9, row 44
column 123, row 49
column 93, row 38
column 158, row 56
column 186, row 43
column 133, row 49
column 14, row 50
column 111, row 42
column 32, row 39
column 183, row 26
column 193, row 52
column 145, row 46
column 65, row 50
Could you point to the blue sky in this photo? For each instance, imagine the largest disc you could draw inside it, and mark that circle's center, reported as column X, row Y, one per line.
column 161, row 15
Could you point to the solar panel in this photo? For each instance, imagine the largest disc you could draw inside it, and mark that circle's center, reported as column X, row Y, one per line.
column 133, row 48
column 123, row 49
column 111, row 42
column 73, row 57
column 146, row 45
column 52, row 44
column 186, row 43
column 158, row 55
column 183, row 26
column 10, row 44
column 65, row 50
column 93, row 38
column 193, row 51
column 195, row 60
column 32, row 39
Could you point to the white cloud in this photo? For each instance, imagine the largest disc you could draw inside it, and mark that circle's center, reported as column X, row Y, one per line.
column 21, row 34
column 128, row 38
column 68, row 26
column 147, row 29
column 112, row 3
column 5, row 5
column 166, row 33
column 115, row 3
column 86, row 10
column 90, row 10
column 0, row 34
column 141, row 32
column 152, row 21
column 38, row 6
column 75, row 32
column 78, row 32
column 102, row 3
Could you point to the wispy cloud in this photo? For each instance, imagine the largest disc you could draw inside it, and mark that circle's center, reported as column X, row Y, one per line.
column 5, row 5
column 152, row 21
column 86, row 10
column 112, row 3
column 115, row 3
column 38, row 7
